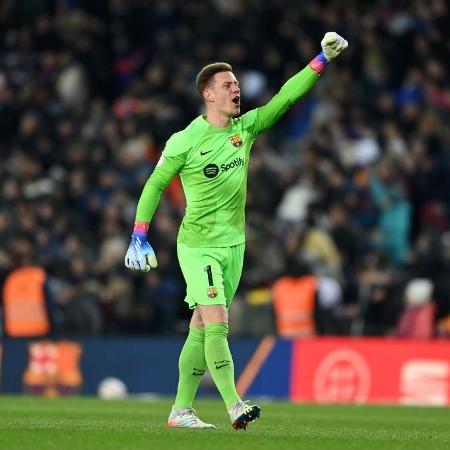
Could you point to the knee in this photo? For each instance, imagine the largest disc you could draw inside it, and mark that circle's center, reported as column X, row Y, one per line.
column 196, row 320
column 213, row 314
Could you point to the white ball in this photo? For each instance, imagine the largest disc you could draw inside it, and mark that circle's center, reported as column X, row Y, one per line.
column 112, row 388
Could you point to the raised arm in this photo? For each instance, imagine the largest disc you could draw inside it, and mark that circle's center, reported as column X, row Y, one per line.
column 299, row 85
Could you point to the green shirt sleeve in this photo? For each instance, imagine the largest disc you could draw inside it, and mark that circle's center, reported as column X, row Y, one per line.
column 171, row 162
column 263, row 118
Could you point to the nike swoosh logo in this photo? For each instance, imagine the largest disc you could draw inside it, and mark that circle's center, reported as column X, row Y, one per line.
column 202, row 153
column 222, row 365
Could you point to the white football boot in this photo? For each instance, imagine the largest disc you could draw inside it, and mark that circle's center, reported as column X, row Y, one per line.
column 186, row 418
column 241, row 414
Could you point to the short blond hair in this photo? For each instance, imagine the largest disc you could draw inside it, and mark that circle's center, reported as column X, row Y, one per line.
column 204, row 76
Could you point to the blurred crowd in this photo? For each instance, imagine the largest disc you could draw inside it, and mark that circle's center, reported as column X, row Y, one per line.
column 352, row 186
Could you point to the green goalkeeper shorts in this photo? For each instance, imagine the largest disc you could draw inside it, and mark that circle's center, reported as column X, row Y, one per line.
column 212, row 274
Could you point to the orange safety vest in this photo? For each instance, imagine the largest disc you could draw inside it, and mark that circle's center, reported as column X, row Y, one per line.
column 25, row 312
column 294, row 301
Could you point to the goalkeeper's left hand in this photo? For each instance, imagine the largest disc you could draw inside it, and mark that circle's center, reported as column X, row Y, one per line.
column 333, row 44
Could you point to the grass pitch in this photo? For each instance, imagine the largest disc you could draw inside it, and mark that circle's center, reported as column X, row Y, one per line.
column 90, row 424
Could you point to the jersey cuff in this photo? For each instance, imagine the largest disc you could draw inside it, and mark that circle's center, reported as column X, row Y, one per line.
column 318, row 63
column 141, row 227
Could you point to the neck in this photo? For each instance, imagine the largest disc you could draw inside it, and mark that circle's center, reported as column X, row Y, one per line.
column 218, row 120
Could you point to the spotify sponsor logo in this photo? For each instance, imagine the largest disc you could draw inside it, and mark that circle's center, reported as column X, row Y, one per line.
column 235, row 163
column 212, row 170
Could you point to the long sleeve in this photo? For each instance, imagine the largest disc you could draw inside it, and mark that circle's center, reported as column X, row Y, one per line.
column 156, row 184
column 295, row 88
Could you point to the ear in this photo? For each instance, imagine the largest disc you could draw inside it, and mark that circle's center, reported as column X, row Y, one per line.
column 208, row 95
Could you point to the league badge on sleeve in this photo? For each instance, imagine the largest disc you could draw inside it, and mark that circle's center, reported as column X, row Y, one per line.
column 236, row 140
column 160, row 161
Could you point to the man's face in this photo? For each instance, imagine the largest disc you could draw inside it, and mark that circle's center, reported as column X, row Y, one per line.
column 224, row 94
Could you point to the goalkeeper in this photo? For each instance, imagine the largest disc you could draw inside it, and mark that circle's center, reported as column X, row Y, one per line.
column 212, row 156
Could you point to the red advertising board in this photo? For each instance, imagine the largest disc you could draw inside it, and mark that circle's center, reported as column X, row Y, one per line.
column 331, row 370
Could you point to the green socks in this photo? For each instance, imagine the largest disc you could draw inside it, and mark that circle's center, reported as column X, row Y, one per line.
column 220, row 362
column 192, row 366
column 212, row 344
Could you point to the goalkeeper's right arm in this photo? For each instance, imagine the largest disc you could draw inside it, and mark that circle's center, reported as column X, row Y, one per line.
column 140, row 254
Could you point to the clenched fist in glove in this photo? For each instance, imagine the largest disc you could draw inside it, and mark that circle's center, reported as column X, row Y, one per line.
column 332, row 44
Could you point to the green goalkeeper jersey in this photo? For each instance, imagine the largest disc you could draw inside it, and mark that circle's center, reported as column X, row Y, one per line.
column 213, row 165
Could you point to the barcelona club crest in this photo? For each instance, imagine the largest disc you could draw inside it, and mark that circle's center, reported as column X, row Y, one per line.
column 236, row 140
column 53, row 368
column 212, row 292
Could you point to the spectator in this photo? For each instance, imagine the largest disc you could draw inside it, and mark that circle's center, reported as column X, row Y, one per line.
column 88, row 95
column 417, row 320
column 394, row 212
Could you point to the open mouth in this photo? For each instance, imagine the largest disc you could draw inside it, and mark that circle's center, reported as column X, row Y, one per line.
column 237, row 100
